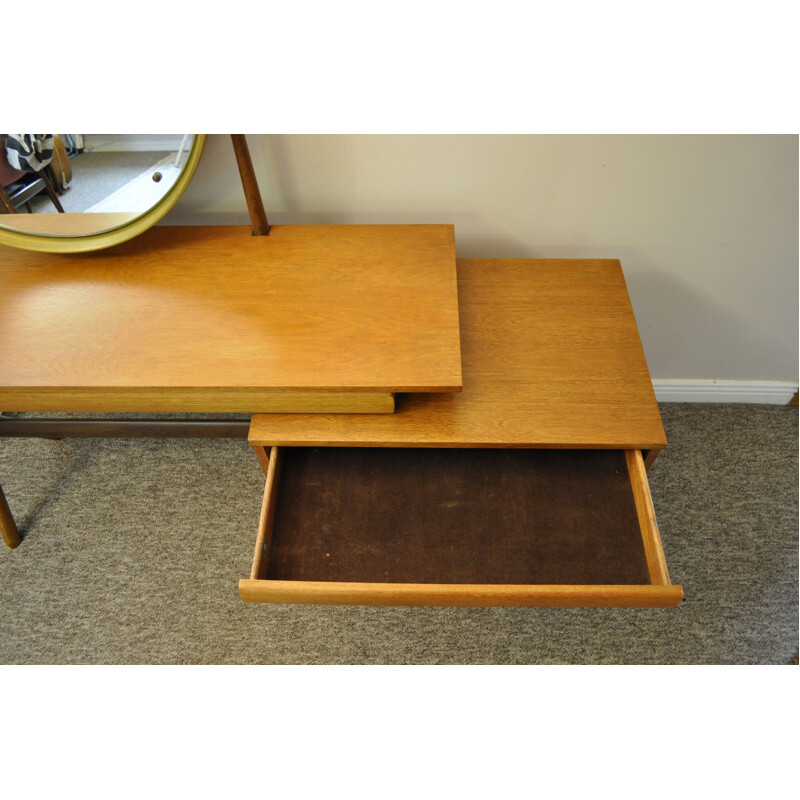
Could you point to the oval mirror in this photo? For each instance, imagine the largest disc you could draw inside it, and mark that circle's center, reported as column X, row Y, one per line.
column 69, row 193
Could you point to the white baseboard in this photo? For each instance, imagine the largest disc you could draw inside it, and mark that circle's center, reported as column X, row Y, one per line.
column 772, row 392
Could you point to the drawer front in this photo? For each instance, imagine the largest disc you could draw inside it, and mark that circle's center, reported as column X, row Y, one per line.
column 460, row 527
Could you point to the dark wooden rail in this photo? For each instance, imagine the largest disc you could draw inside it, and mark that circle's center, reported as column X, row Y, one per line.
column 255, row 206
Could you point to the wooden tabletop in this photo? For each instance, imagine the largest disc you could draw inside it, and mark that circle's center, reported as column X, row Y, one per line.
column 215, row 310
column 551, row 357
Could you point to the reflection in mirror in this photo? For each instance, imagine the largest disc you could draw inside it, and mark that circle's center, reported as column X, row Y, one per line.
column 91, row 183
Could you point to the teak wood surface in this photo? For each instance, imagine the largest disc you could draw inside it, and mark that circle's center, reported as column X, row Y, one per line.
column 551, row 357
column 188, row 312
column 195, row 400
column 460, row 595
column 255, row 205
column 70, row 223
column 651, row 538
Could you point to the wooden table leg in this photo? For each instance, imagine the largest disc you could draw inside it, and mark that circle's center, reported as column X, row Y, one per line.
column 7, row 525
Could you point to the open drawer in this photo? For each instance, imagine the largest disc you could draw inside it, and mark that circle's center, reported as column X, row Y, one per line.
column 458, row 527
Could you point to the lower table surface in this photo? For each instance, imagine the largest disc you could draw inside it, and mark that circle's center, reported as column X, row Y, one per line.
column 551, row 358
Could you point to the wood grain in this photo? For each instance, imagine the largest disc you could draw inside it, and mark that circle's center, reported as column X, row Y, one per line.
column 190, row 399
column 654, row 552
column 551, row 357
column 650, row 456
column 69, row 223
column 268, row 507
column 463, row 595
column 263, row 457
column 255, row 205
column 352, row 308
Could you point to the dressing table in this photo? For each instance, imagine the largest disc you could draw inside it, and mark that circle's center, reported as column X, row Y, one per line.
column 432, row 432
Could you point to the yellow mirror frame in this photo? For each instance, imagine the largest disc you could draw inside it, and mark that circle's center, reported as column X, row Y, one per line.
column 109, row 238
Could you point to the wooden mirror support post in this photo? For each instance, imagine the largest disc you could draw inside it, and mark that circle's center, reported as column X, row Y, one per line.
column 255, row 206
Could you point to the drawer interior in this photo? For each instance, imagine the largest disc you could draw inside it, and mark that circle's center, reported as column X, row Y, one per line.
column 449, row 518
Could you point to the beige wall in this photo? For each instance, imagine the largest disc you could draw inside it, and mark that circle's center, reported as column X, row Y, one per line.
column 706, row 227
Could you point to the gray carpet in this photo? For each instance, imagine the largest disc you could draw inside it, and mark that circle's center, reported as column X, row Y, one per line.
column 96, row 176
column 133, row 548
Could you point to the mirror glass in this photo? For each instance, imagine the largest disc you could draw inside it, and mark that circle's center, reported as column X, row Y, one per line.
column 78, row 186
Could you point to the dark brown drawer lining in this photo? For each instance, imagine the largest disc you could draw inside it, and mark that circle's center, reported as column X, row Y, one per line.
column 417, row 515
